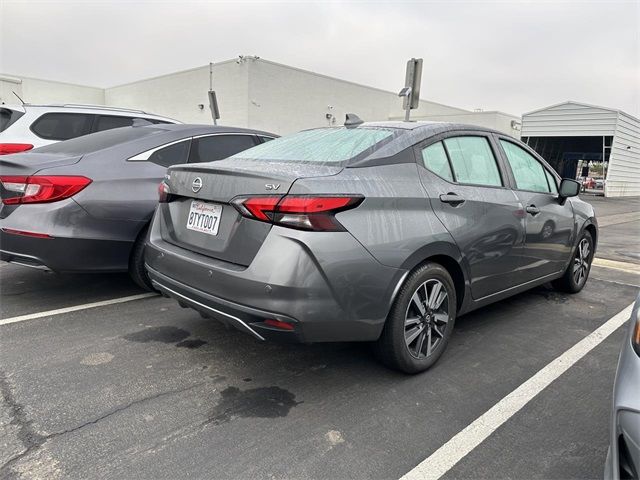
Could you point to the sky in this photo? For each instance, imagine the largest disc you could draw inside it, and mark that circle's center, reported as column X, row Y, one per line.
column 513, row 56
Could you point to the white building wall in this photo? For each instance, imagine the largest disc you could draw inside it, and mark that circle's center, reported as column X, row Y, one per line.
column 285, row 99
column 34, row 90
column 623, row 175
column 569, row 119
column 178, row 95
column 572, row 119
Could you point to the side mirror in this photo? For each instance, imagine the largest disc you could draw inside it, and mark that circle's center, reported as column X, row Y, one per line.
column 569, row 188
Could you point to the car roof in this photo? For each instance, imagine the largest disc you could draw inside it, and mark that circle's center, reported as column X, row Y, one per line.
column 202, row 129
column 426, row 126
column 86, row 108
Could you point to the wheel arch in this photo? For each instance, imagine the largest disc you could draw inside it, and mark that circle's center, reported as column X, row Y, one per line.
column 447, row 255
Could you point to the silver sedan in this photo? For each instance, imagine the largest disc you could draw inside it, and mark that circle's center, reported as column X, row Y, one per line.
column 623, row 458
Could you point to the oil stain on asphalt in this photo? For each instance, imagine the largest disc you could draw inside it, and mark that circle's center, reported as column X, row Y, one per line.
column 165, row 334
column 191, row 343
column 263, row 402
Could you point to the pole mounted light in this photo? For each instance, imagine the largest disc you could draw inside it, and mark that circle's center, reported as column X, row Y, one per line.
column 411, row 91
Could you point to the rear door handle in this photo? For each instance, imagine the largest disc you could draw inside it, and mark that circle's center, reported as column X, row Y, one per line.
column 532, row 210
column 452, row 199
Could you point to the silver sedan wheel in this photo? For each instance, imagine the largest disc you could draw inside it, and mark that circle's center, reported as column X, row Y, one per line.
column 581, row 262
column 426, row 318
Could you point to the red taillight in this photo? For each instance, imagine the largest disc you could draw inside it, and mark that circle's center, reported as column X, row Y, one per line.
column 278, row 324
column 262, row 208
column 40, row 188
column 305, row 212
column 25, row 233
column 163, row 192
column 9, row 148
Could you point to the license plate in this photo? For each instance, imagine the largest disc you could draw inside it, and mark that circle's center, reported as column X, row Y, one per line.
column 204, row 217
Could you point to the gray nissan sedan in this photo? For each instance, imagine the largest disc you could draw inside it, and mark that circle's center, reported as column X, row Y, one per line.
column 84, row 205
column 382, row 232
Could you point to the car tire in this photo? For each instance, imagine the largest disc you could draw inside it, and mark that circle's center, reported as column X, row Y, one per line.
column 417, row 330
column 137, row 272
column 575, row 276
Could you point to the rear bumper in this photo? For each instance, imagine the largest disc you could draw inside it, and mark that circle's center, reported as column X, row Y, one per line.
column 65, row 254
column 246, row 319
column 77, row 241
column 326, row 285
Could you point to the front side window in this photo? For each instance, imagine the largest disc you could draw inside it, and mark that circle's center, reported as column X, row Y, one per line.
column 552, row 181
column 473, row 161
column 171, row 155
column 217, row 147
column 107, row 122
column 435, row 159
column 321, row 145
column 527, row 170
column 62, row 126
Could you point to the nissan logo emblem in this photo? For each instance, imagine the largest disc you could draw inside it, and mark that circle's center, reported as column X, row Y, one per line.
column 196, row 185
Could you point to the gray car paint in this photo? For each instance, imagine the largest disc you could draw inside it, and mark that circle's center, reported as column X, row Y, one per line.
column 340, row 285
column 100, row 223
column 625, row 413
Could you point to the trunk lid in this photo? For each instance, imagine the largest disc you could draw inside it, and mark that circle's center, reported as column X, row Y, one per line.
column 30, row 163
column 238, row 238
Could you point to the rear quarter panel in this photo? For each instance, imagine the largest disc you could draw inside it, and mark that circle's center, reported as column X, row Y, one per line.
column 395, row 223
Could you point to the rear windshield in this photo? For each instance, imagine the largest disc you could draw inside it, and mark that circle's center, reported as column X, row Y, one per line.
column 7, row 117
column 100, row 140
column 323, row 145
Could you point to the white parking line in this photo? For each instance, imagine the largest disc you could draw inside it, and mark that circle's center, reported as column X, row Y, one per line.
column 59, row 311
column 443, row 459
column 615, row 265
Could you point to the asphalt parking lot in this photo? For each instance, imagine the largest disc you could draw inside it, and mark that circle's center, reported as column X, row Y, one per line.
column 146, row 389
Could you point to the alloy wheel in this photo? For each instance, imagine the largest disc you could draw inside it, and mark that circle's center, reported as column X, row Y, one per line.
column 426, row 318
column 581, row 261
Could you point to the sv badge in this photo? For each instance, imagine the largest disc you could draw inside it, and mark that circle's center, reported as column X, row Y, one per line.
column 272, row 186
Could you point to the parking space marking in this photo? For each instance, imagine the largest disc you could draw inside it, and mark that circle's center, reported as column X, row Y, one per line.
column 618, row 218
column 615, row 265
column 75, row 308
column 460, row 445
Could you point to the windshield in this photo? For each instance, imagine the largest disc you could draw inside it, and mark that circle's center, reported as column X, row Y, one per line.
column 99, row 141
column 323, row 145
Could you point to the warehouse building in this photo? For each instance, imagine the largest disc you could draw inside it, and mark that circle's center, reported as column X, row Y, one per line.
column 253, row 93
column 571, row 135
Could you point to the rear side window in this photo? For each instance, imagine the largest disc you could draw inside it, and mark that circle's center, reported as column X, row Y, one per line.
column 171, row 155
column 527, row 170
column 265, row 139
column 8, row 117
column 217, row 147
column 62, row 126
column 107, row 122
column 473, row 161
column 435, row 159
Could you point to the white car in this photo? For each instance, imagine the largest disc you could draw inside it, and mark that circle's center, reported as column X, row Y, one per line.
column 30, row 126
